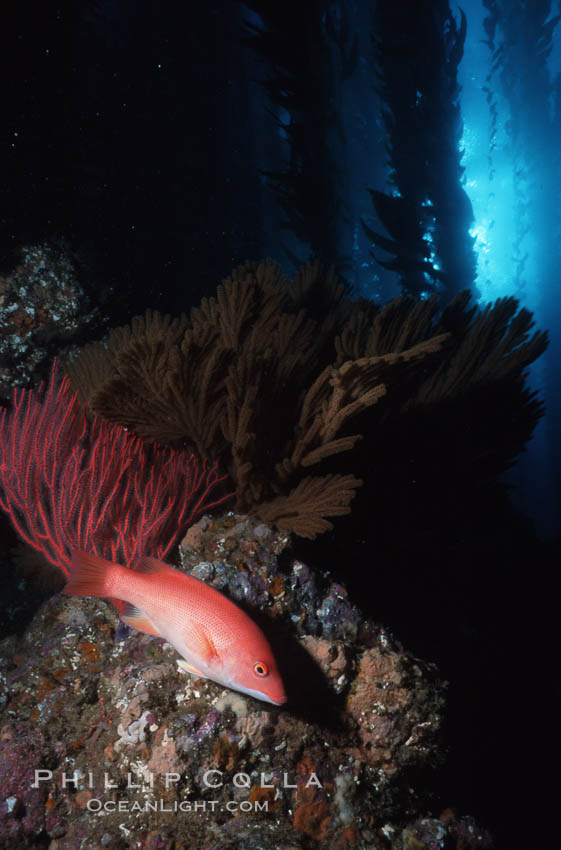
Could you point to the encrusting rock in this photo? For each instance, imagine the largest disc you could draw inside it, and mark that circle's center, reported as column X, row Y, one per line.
column 105, row 743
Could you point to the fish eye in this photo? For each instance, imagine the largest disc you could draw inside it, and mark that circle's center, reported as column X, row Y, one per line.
column 260, row 669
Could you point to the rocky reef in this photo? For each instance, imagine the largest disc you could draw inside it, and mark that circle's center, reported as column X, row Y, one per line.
column 44, row 311
column 105, row 742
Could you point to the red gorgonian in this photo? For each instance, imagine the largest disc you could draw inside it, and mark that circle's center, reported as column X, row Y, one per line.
column 69, row 483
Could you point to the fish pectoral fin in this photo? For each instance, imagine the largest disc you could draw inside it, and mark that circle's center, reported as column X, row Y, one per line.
column 188, row 668
column 136, row 618
column 200, row 644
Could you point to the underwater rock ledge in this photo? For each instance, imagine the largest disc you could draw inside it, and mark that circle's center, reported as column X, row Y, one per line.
column 131, row 752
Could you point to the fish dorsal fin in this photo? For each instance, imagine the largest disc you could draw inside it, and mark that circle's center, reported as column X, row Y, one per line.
column 152, row 565
column 136, row 618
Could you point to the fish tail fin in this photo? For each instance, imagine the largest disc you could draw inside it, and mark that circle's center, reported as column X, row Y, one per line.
column 91, row 575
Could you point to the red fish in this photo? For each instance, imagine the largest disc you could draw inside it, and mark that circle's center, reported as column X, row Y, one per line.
column 217, row 639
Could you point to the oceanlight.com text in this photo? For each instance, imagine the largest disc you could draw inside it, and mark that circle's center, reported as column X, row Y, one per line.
column 202, row 806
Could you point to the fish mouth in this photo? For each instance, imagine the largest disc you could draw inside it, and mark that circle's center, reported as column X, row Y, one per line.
column 276, row 699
